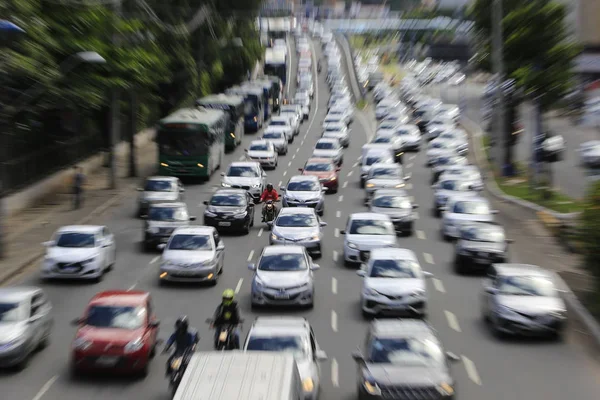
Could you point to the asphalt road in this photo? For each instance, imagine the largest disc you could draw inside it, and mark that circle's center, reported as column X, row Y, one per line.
column 490, row 370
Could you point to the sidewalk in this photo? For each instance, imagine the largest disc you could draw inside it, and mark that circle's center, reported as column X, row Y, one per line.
column 27, row 229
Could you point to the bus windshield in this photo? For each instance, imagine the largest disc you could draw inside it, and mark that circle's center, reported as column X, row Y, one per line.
column 178, row 143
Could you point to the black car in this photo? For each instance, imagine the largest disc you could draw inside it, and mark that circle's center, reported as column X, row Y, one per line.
column 479, row 246
column 231, row 210
column 404, row 360
column 161, row 220
column 440, row 164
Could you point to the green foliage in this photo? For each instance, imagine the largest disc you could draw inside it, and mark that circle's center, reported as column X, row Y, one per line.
column 590, row 232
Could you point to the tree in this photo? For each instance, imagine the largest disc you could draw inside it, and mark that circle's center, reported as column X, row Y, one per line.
column 538, row 53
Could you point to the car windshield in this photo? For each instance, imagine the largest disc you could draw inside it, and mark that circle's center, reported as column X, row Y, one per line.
column 392, row 202
column 168, row 214
column 283, row 262
column 278, row 123
column 74, row 239
column 288, row 344
column 319, row 167
column 119, row 317
column 259, row 147
column 385, row 173
column 272, row 135
column 244, row 172
column 228, row 200
column 406, row 351
column 483, row 234
column 526, row 286
column 325, row 146
column 190, row 242
column 158, row 186
column 303, row 186
column 394, row 269
column 471, row 207
column 296, row 221
column 11, row 312
column 371, row 227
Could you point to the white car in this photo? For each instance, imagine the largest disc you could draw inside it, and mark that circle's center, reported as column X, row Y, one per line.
column 393, row 283
column 411, row 137
column 329, row 148
column 79, row 252
column 192, row 254
column 337, row 131
column 282, row 123
column 437, row 148
column 263, row 152
column 365, row 232
column 464, row 209
column 374, row 153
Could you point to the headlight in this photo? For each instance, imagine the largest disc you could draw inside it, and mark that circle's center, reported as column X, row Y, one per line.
column 352, row 245
column 209, row 214
column 371, row 387
column 240, row 216
column 81, row 344
column 152, row 229
column 446, row 389
column 225, row 184
column 370, row 185
column 308, row 385
column 134, row 346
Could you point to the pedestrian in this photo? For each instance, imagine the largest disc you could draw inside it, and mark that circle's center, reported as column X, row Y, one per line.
column 78, row 181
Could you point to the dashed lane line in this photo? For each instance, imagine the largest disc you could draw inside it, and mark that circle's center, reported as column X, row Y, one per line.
column 471, row 370
column 428, row 258
column 439, row 285
column 452, row 320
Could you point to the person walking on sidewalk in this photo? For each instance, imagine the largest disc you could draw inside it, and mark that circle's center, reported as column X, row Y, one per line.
column 78, row 181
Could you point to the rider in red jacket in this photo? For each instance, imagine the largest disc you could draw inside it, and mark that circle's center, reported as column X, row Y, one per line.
column 268, row 194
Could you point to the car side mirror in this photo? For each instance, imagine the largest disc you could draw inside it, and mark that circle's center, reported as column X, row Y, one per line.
column 161, row 246
column 323, row 223
column 77, row 321
column 154, row 324
column 49, row 243
column 361, row 272
column 508, row 241
column 252, row 267
column 452, row 357
column 320, row 355
column 315, row 267
column 140, row 189
column 491, row 290
column 415, row 206
column 192, row 218
column 358, row 357
column 205, row 202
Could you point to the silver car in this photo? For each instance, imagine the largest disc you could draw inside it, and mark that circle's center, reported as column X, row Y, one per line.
column 393, row 283
column 396, row 204
column 283, row 276
column 263, row 152
column 247, row 175
column 295, row 335
column 300, row 226
column 337, row 131
column 304, row 191
column 278, row 138
column 26, row 323
column 192, row 254
column 384, row 176
column 329, row 148
column 365, row 232
column 522, row 299
column 446, row 188
column 460, row 210
column 159, row 189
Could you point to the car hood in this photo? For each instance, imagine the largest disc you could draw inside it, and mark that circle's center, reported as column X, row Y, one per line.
column 394, row 286
column 325, row 153
column 392, row 212
column 66, row 254
column 470, row 217
column 241, row 181
column 187, row 256
column 10, row 331
column 389, row 375
column 292, row 233
column 109, row 335
column 302, row 195
column 371, row 241
column 260, row 154
column 283, row 279
column 385, row 183
column 159, row 196
column 532, row 305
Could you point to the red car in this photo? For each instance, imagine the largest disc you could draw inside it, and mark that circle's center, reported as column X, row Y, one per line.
column 325, row 170
column 117, row 332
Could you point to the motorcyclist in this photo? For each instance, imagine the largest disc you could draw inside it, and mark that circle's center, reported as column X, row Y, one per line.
column 227, row 313
column 182, row 338
column 268, row 194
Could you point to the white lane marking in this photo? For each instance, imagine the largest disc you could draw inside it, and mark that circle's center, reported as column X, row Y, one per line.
column 471, row 370
column 338, row 214
column 428, row 258
column 416, row 214
column 333, row 285
column 280, row 183
column 412, row 157
column 350, row 174
column 284, row 173
column 336, row 233
column 334, row 325
column 409, row 186
column 421, row 235
column 250, row 256
column 260, row 232
column 239, row 285
column 439, row 285
column 410, row 165
column 452, row 320
column 45, row 388
column 335, row 256
column 341, row 198
column 345, row 185
column 289, row 164
column 335, row 380
column 155, row 259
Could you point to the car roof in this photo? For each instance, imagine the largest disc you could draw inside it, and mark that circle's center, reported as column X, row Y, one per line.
column 244, row 164
column 303, row 178
column 80, row 229
column 395, row 253
column 168, row 205
column 162, row 178
column 402, row 328
column 120, row 297
column 17, row 294
column 196, row 229
column 283, row 249
column 391, row 192
column 369, row 215
column 521, row 270
column 296, row 210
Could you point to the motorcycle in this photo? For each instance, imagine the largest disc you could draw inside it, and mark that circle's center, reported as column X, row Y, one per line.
column 225, row 340
column 270, row 213
column 178, row 367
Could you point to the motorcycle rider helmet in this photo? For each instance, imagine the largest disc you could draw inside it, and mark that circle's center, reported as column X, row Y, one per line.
column 182, row 323
column 269, row 187
column 228, row 295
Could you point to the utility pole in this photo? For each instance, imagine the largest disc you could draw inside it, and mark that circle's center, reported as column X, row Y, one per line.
column 498, row 126
column 114, row 112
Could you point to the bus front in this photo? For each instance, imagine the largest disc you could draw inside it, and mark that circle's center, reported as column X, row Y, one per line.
column 184, row 149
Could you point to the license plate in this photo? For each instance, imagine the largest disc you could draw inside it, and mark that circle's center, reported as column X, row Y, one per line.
column 282, row 296
column 107, row 361
column 224, row 223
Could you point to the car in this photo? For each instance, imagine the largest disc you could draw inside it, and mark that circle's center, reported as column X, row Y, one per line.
column 384, row 176
column 263, row 152
column 159, row 189
column 304, row 191
column 393, row 283
column 438, row 148
column 325, row 170
column 247, row 175
column 411, row 137
column 480, row 245
column 461, row 210
column 295, row 335
column 337, row 131
column 283, row 276
column 79, row 252
column 230, row 210
column 374, row 154
column 300, row 226
column 394, row 141
column 396, row 204
column 295, row 115
column 522, row 299
column 278, row 138
column 404, row 359
column 443, row 162
column 118, row 331
column 26, row 322
column 444, row 189
column 161, row 221
column 329, row 148
column 192, row 254
column 365, row 232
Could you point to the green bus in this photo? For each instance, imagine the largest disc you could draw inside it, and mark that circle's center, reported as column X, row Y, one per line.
column 232, row 105
column 191, row 142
